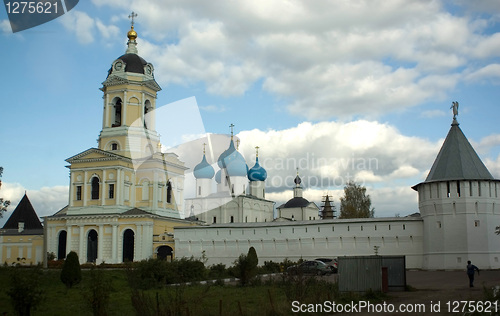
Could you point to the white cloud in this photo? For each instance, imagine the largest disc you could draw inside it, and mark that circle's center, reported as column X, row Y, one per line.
column 326, row 59
column 81, row 24
column 107, row 31
column 433, row 113
column 5, row 27
column 46, row 201
column 490, row 72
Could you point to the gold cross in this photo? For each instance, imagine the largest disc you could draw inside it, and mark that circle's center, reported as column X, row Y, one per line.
column 257, row 150
column 132, row 16
column 204, row 144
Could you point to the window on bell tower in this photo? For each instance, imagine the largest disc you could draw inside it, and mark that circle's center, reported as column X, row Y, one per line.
column 169, row 192
column 147, row 114
column 117, row 117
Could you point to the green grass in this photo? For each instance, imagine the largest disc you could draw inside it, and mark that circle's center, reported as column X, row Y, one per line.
column 261, row 298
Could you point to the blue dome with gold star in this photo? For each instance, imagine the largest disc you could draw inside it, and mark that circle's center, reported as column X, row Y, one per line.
column 257, row 172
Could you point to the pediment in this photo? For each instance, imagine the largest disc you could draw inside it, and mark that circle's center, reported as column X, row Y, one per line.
column 95, row 154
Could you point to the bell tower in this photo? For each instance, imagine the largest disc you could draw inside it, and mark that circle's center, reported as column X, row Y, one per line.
column 130, row 92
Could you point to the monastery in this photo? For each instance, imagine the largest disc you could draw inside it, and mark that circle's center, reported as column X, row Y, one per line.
column 126, row 201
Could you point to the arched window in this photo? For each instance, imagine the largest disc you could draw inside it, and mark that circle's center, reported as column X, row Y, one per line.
column 147, row 113
column 169, row 192
column 114, row 146
column 92, row 246
column 95, row 188
column 117, row 117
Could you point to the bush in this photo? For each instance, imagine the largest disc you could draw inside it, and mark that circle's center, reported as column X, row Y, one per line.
column 97, row 292
column 71, row 272
column 245, row 268
column 25, row 291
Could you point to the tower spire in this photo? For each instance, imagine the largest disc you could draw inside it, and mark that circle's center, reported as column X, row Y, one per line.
column 132, row 35
column 204, row 144
column 257, row 151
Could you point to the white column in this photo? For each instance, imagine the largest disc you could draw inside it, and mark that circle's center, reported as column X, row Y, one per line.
column 147, row 241
column 119, row 187
column 68, row 239
column 81, row 249
column 103, row 189
column 100, row 243
column 124, row 109
column 133, row 189
column 114, row 245
column 105, row 116
column 155, row 191
column 85, row 184
column 71, row 188
column 138, row 243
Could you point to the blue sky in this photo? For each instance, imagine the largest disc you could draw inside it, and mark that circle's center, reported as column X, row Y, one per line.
column 334, row 80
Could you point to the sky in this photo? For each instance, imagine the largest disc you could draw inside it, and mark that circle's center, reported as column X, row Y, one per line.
column 343, row 90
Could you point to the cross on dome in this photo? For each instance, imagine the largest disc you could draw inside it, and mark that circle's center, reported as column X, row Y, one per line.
column 132, row 16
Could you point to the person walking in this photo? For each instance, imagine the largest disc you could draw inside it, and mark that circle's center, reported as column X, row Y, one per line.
column 471, row 269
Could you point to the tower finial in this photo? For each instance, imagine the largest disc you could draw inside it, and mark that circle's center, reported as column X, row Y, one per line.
column 257, row 151
column 454, row 106
column 237, row 144
column 204, row 144
column 132, row 16
column 231, row 126
column 132, row 35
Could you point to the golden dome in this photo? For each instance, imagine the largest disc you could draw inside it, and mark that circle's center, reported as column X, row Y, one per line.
column 132, row 35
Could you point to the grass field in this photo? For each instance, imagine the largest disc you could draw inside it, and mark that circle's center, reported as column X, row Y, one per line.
column 260, row 298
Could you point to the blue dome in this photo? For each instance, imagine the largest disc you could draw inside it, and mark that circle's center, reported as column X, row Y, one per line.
column 203, row 170
column 218, row 177
column 233, row 161
column 257, row 173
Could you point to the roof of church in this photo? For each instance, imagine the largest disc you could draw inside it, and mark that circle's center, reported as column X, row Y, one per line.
column 295, row 202
column 25, row 213
column 457, row 160
column 133, row 63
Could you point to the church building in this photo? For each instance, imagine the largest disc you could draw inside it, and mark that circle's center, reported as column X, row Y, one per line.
column 240, row 192
column 125, row 195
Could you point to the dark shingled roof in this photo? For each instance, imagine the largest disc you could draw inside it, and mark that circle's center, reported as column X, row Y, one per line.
column 457, row 160
column 296, row 202
column 24, row 212
column 134, row 63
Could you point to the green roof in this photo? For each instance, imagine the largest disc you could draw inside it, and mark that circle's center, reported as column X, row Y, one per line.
column 457, row 160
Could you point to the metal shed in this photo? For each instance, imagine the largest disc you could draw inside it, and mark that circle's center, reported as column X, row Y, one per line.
column 363, row 273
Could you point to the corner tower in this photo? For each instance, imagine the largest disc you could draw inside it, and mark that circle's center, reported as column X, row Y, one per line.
column 459, row 204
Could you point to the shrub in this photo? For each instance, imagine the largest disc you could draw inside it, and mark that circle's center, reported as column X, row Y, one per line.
column 97, row 292
column 71, row 272
column 245, row 267
column 25, row 291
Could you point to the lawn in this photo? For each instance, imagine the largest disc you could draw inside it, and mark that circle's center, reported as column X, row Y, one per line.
column 260, row 298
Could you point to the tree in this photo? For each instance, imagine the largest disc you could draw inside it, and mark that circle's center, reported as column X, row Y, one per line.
column 246, row 266
column 3, row 203
column 71, row 272
column 355, row 203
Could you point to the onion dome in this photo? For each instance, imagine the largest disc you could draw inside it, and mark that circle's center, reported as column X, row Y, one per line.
column 233, row 162
column 203, row 170
column 257, row 173
column 297, row 180
column 218, row 177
